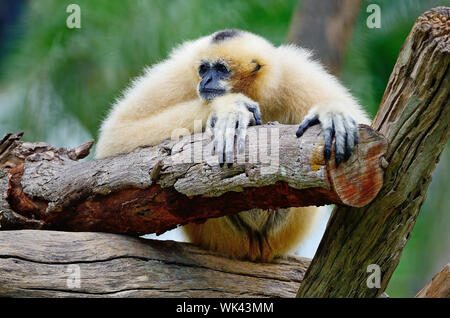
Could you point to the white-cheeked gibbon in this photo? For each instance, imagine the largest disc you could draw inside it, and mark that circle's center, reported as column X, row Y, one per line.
column 230, row 80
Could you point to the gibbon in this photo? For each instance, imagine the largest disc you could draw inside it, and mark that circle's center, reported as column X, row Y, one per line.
column 230, row 80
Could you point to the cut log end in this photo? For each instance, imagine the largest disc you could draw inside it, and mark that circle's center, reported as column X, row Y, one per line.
column 359, row 180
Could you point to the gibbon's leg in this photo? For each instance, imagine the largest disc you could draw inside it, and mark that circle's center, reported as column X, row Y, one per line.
column 121, row 135
column 258, row 235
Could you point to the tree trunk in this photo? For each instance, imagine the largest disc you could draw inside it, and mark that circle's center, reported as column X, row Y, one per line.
column 414, row 116
column 152, row 190
column 325, row 27
column 66, row 264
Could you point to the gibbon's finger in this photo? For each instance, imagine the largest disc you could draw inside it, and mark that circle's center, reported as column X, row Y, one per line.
column 254, row 109
column 210, row 123
column 215, row 135
column 229, row 139
column 328, row 127
column 208, row 129
column 220, row 142
column 252, row 121
column 350, row 140
column 213, row 121
column 219, row 139
column 242, row 131
column 340, row 135
column 307, row 122
column 355, row 131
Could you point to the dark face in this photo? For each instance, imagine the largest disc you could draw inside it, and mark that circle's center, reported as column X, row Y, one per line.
column 214, row 76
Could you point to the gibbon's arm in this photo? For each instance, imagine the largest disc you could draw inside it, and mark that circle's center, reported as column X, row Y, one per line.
column 163, row 85
column 122, row 135
column 318, row 97
column 161, row 100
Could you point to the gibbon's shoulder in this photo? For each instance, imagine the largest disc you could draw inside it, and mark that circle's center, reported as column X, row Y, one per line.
column 292, row 51
column 298, row 63
column 305, row 64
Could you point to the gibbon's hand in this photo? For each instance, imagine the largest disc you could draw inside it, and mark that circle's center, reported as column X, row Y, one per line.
column 231, row 116
column 337, row 123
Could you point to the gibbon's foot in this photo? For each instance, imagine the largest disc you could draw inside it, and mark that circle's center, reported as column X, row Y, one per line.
column 231, row 117
column 335, row 123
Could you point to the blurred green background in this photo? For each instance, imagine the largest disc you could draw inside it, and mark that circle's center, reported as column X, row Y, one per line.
column 56, row 83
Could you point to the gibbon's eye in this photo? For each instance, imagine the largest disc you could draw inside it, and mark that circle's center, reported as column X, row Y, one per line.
column 202, row 69
column 257, row 66
column 222, row 68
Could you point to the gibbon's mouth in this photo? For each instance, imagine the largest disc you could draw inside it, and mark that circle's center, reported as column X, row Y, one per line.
column 209, row 93
column 213, row 90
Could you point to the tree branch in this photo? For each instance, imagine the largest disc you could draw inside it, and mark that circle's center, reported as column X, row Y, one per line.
column 439, row 286
column 152, row 190
column 414, row 116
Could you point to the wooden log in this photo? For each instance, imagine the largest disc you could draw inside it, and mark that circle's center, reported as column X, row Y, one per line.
column 414, row 116
column 152, row 190
column 68, row 264
column 439, row 286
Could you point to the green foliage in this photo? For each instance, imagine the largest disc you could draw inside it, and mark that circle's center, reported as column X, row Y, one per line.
column 58, row 83
column 372, row 53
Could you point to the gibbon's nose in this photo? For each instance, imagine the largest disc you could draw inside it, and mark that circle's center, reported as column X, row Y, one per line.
column 208, row 82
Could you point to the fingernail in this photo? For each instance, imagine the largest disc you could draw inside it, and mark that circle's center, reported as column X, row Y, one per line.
column 327, row 153
column 338, row 160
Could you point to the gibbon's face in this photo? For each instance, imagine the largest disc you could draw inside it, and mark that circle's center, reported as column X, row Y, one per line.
column 233, row 62
column 214, row 77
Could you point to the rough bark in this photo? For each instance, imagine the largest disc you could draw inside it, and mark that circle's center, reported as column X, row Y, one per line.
column 45, row 264
column 414, row 116
column 439, row 286
column 325, row 27
column 151, row 190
